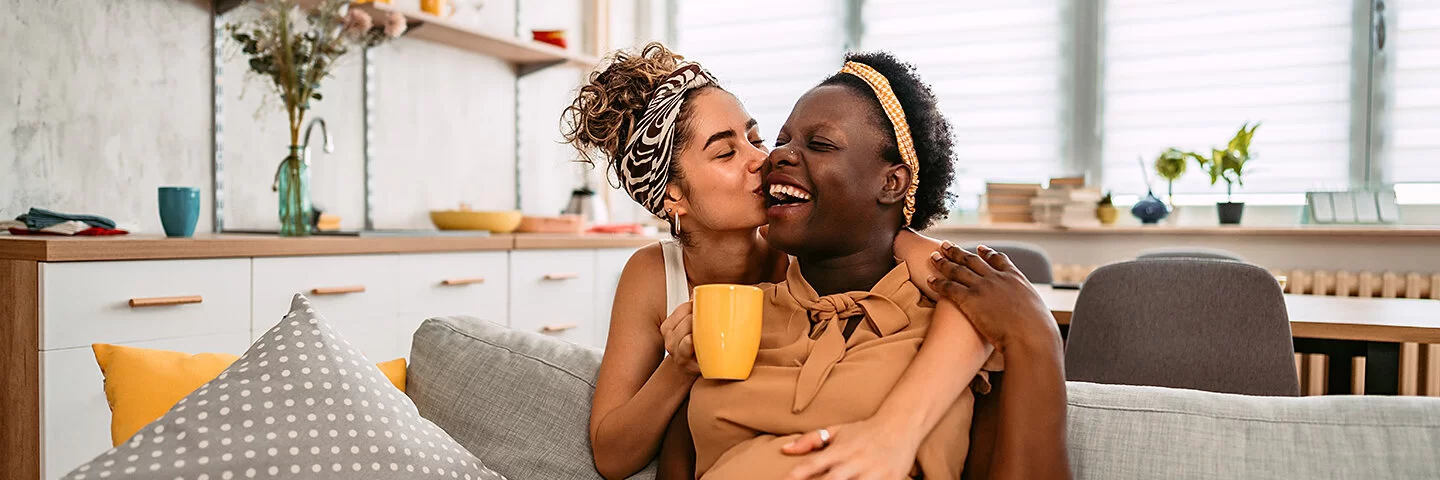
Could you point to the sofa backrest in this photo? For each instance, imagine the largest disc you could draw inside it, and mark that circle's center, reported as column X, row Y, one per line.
column 517, row 400
column 1122, row 432
column 521, row 403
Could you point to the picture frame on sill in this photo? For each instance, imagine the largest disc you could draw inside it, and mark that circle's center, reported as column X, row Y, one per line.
column 1359, row 207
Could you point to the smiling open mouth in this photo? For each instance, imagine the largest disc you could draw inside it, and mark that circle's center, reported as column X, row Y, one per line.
column 787, row 195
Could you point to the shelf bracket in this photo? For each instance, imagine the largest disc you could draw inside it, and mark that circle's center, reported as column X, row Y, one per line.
column 529, row 68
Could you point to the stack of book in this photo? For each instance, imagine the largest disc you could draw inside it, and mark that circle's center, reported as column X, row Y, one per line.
column 1066, row 203
column 1010, row 202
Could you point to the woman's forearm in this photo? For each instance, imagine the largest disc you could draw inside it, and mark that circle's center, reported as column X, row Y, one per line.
column 943, row 368
column 629, row 436
column 1031, row 438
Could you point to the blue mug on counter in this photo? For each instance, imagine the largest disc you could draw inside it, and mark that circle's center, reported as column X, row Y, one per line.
column 179, row 210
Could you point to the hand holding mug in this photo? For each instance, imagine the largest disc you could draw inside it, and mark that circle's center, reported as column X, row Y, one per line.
column 679, row 343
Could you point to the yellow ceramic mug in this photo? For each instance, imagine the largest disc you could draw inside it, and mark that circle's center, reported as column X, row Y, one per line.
column 727, row 330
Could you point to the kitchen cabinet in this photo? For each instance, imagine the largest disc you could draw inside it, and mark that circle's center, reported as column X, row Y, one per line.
column 173, row 296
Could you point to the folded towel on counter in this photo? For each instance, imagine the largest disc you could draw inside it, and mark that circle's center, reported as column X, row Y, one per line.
column 39, row 219
column 66, row 228
column 87, row 232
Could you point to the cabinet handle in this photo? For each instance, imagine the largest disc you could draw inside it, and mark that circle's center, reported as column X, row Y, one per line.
column 562, row 276
column 338, row 290
column 558, row 328
column 462, row 281
column 164, row 301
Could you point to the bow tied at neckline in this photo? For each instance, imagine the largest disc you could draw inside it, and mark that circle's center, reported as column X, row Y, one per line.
column 882, row 315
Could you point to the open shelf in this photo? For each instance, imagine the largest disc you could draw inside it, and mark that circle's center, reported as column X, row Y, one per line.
column 528, row 56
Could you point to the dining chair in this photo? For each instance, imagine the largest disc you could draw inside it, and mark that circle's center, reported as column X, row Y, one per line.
column 1028, row 257
column 1202, row 324
column 1190, row 252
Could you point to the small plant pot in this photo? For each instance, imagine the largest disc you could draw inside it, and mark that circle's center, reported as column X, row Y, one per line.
column 1107, row 214
column 1230, row 212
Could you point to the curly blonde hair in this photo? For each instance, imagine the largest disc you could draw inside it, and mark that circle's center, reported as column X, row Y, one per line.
column 602, row 117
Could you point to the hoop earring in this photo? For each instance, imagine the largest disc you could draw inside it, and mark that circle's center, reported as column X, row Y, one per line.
column 674, row 224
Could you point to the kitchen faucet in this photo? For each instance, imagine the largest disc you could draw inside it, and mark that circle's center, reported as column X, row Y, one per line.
column 324, row 132
column 305, row 148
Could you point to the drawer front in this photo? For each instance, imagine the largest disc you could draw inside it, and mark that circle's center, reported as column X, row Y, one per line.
column 357, row 294
column 74, row 416
column 609, row 263
column 431, row 285
column 89, row 302
column 553, row 293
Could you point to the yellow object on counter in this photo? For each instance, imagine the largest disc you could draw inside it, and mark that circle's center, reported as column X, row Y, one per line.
column 493, row 221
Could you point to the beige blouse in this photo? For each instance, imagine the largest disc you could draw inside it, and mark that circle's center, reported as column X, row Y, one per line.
column 807, row 376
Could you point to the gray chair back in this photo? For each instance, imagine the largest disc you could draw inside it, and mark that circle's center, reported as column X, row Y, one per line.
column 1028, row 257
column 1212, row 325
column 1190, row 252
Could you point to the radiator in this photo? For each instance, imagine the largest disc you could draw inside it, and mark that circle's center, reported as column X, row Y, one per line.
column 1419, row 364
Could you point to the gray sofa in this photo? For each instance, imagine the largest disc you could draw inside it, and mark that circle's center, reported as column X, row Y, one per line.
column 520, row 402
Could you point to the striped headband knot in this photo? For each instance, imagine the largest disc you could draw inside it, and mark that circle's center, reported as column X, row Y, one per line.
column 645, row 164
column 896, row 113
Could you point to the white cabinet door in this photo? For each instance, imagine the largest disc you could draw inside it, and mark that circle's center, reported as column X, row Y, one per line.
column 553, row 293
column 75, row 417
column 357, row 294
column 120, row 302
column 608, row 265
column 475, row 284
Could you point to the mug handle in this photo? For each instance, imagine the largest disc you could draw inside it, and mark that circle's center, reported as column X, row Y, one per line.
column 453, row 9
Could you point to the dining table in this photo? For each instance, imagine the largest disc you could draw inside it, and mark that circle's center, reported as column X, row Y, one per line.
column 1340, row 327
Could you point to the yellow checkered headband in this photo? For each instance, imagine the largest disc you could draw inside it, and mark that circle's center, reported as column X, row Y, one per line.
column 896, row 113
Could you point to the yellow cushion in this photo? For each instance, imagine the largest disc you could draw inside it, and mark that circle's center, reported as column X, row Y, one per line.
column 142, row 384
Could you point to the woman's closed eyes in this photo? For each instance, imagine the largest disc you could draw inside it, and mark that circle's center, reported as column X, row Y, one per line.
column 730, row 153
column 817, row 144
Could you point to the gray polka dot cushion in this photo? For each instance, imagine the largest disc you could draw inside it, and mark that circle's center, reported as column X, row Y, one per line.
column 301, row 403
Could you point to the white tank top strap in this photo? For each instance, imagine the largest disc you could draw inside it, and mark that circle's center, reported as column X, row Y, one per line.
column 677, row 285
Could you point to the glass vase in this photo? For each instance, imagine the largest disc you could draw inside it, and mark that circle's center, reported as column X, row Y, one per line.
column 293, row 184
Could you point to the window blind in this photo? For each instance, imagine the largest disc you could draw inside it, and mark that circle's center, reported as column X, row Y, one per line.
column 767, row 53
column 1187, row 74
column 998, row 69
column 1410, row 122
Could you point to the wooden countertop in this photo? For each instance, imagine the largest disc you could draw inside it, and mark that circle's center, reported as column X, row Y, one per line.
column 1408, row 231
column 1314, row 316
column 152, row 247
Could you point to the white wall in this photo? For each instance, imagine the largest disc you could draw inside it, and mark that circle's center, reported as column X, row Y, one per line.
column 102, row 102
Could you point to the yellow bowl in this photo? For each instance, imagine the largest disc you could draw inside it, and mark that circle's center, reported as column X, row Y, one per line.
column 494, row 221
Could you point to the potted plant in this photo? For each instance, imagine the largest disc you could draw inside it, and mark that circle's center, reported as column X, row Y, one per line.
column 295, row 51
column 1229, row 164
column 1105, row 210
column 1170, row 165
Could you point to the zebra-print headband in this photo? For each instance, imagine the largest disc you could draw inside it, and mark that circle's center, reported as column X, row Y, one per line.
column 645, row 166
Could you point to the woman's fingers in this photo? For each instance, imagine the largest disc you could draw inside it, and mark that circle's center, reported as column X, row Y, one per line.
column 815, row 466
column 807, row 443
column 950, row 289
column 672, row 321
column 967, row 258
column 1001, row 262
column 954, row 271
column 686, row 347
column 841, row 471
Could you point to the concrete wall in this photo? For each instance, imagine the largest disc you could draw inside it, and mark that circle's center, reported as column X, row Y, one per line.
column 102, row 102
